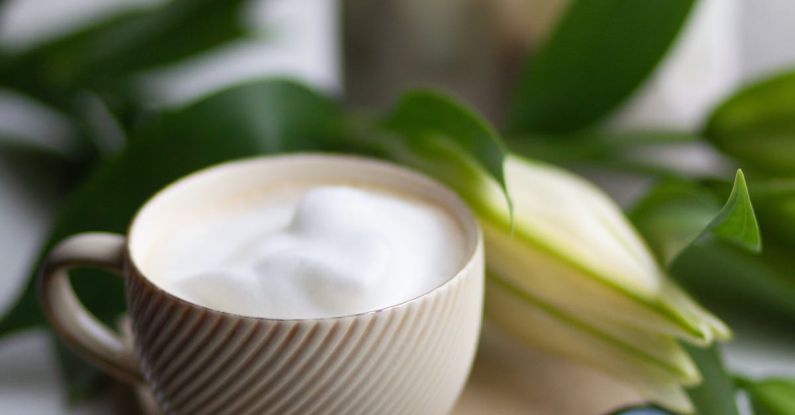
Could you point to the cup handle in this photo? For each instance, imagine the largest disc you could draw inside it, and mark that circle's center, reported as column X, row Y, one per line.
column 77, row 326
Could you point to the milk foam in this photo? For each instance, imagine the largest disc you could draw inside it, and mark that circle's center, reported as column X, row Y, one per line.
column 311, row 252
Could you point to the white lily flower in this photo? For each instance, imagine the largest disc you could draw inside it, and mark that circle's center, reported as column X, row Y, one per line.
column 574, row 277
column 566, row 269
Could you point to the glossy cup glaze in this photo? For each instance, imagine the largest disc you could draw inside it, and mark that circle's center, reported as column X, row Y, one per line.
column 409, row 358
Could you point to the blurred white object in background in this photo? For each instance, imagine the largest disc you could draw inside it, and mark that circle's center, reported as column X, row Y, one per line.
column 703, row 65
column 701, row 68
column 27, row 23
column 27, row 118
column 725, row 44
column 294, row 38
column 767, row 36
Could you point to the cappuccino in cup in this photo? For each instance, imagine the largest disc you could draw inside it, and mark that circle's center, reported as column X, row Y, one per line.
column 301, row 284
column 307, row 250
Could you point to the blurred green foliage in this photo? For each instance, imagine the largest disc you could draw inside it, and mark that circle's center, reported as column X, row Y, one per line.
column 726, row 277
column 773, row 396
column 716, row 395
column 757, row 125
column 598, row 53
column 258, row 118
column 102, row 57
column 428, row 119
column 97, row 64
column 735, row 225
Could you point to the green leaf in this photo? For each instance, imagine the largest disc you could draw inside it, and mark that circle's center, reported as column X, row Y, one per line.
column 740, row 284
column 422, row 117
column 160, row 37
column 48, row 69
column 106, row 52
column 593, row 146
column 773, row 396
column 679, row 235
column 633, row 152
column 716, row 395
column 673, row 214
column 774, row 202
column 252, row 119
column 736, row 222
column 598, row 54
column 757, row 125
column 727, row 277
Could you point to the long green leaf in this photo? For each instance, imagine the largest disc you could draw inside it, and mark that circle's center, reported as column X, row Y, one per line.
column 681, row 221
column 47, row 72
column 103, row 54
column 735, row 224
column 741, row 285
column 672, row 214
column 724, row 275
column 179, row 29
column 422, row 117
column 632, row 152
column 757, row 125
column 599, row 53
column 716, row 395
column 774, row 396
column 594, row 147
column 257, row 118
column 774, row 201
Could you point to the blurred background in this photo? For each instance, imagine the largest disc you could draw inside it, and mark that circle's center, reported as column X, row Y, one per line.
column 365, row 53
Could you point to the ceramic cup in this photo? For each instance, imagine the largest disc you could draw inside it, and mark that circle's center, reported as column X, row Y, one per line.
column 409, row 358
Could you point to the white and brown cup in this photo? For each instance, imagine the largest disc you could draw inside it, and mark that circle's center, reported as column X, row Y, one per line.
column 409, row 358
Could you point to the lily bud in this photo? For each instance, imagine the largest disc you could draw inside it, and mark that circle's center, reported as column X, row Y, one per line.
column 574, row 277
column 569, row 274
column 566, row 270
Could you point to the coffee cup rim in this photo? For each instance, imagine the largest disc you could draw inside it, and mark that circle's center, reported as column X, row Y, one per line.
column 456, row 207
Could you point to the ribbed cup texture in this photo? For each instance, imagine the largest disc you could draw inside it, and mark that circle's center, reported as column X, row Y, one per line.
column 409, row 359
